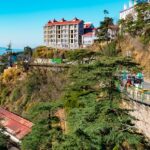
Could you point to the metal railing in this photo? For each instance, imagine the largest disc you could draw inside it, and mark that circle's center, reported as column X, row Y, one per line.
column 139, row 95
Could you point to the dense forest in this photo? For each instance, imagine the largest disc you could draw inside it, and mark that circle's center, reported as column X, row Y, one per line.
column 74, row 108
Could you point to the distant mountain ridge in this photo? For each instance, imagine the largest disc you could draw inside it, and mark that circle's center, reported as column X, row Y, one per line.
column 3, row 50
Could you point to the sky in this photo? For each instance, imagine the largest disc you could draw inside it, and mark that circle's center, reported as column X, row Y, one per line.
column 22, row 21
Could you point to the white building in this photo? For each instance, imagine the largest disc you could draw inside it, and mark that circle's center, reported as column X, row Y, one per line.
column 130, row 9
column 89, row 35
column 113, row 31
column 64, row 34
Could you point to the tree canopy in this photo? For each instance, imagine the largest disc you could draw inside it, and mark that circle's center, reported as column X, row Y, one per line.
column 103, row 29
column 94, row 116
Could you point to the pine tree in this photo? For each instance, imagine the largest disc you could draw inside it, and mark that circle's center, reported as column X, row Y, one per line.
column 46, row 132
column 103, row 29
column 95, row 118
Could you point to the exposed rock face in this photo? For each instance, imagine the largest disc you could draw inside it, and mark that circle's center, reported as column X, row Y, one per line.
column 140, row 52
column 62, row 116
column 142, row 114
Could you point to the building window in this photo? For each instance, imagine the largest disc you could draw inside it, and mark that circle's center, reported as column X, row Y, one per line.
column 58, row 32
column 75, row 40
column 71, row 26
column 75, row 31
column 75, row 26
column 75, row 35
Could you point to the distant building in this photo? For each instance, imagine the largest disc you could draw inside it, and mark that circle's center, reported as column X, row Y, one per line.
column 64, row 34
column 89, row 35
column 111, row 34
column 72, row 34
column 16, row 127
column 130, row 10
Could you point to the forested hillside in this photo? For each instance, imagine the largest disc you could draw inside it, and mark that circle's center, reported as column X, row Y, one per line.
column 134, row 39
column 80, row 107
column 20, row 90
column 138, row 51
column 77, row 108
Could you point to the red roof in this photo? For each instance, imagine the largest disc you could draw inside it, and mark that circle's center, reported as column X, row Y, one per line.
column 15, row 125
column 64, row 22
column 87, row 25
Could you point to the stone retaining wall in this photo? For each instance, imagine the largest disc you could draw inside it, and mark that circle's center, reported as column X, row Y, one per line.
column 142, row 113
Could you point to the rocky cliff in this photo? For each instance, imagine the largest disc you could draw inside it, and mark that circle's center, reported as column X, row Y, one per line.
column 140, row 52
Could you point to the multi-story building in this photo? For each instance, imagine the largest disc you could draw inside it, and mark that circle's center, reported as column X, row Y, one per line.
column 64, row 34
column 130, row 10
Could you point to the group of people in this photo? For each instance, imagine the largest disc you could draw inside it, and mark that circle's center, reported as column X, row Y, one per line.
column 132, row 79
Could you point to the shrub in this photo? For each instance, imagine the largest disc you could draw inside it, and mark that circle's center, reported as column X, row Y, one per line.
column 16, row 94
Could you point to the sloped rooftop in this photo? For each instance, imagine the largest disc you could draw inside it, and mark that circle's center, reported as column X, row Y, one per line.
column 14, row 124
column 64, row 22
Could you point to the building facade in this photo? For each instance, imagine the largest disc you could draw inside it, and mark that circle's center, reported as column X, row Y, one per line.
column 89, row 35
column 130, row 9
column 113, row 31
column 64, row 34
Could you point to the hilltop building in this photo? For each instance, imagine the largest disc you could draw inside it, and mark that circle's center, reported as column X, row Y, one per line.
column 113, row 31
column 111, row 34
column 64, row 34
column 89, row 35
column 72, row 34
column 130, row 9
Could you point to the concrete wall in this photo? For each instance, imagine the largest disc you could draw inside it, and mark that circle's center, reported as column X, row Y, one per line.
column 142, row 113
